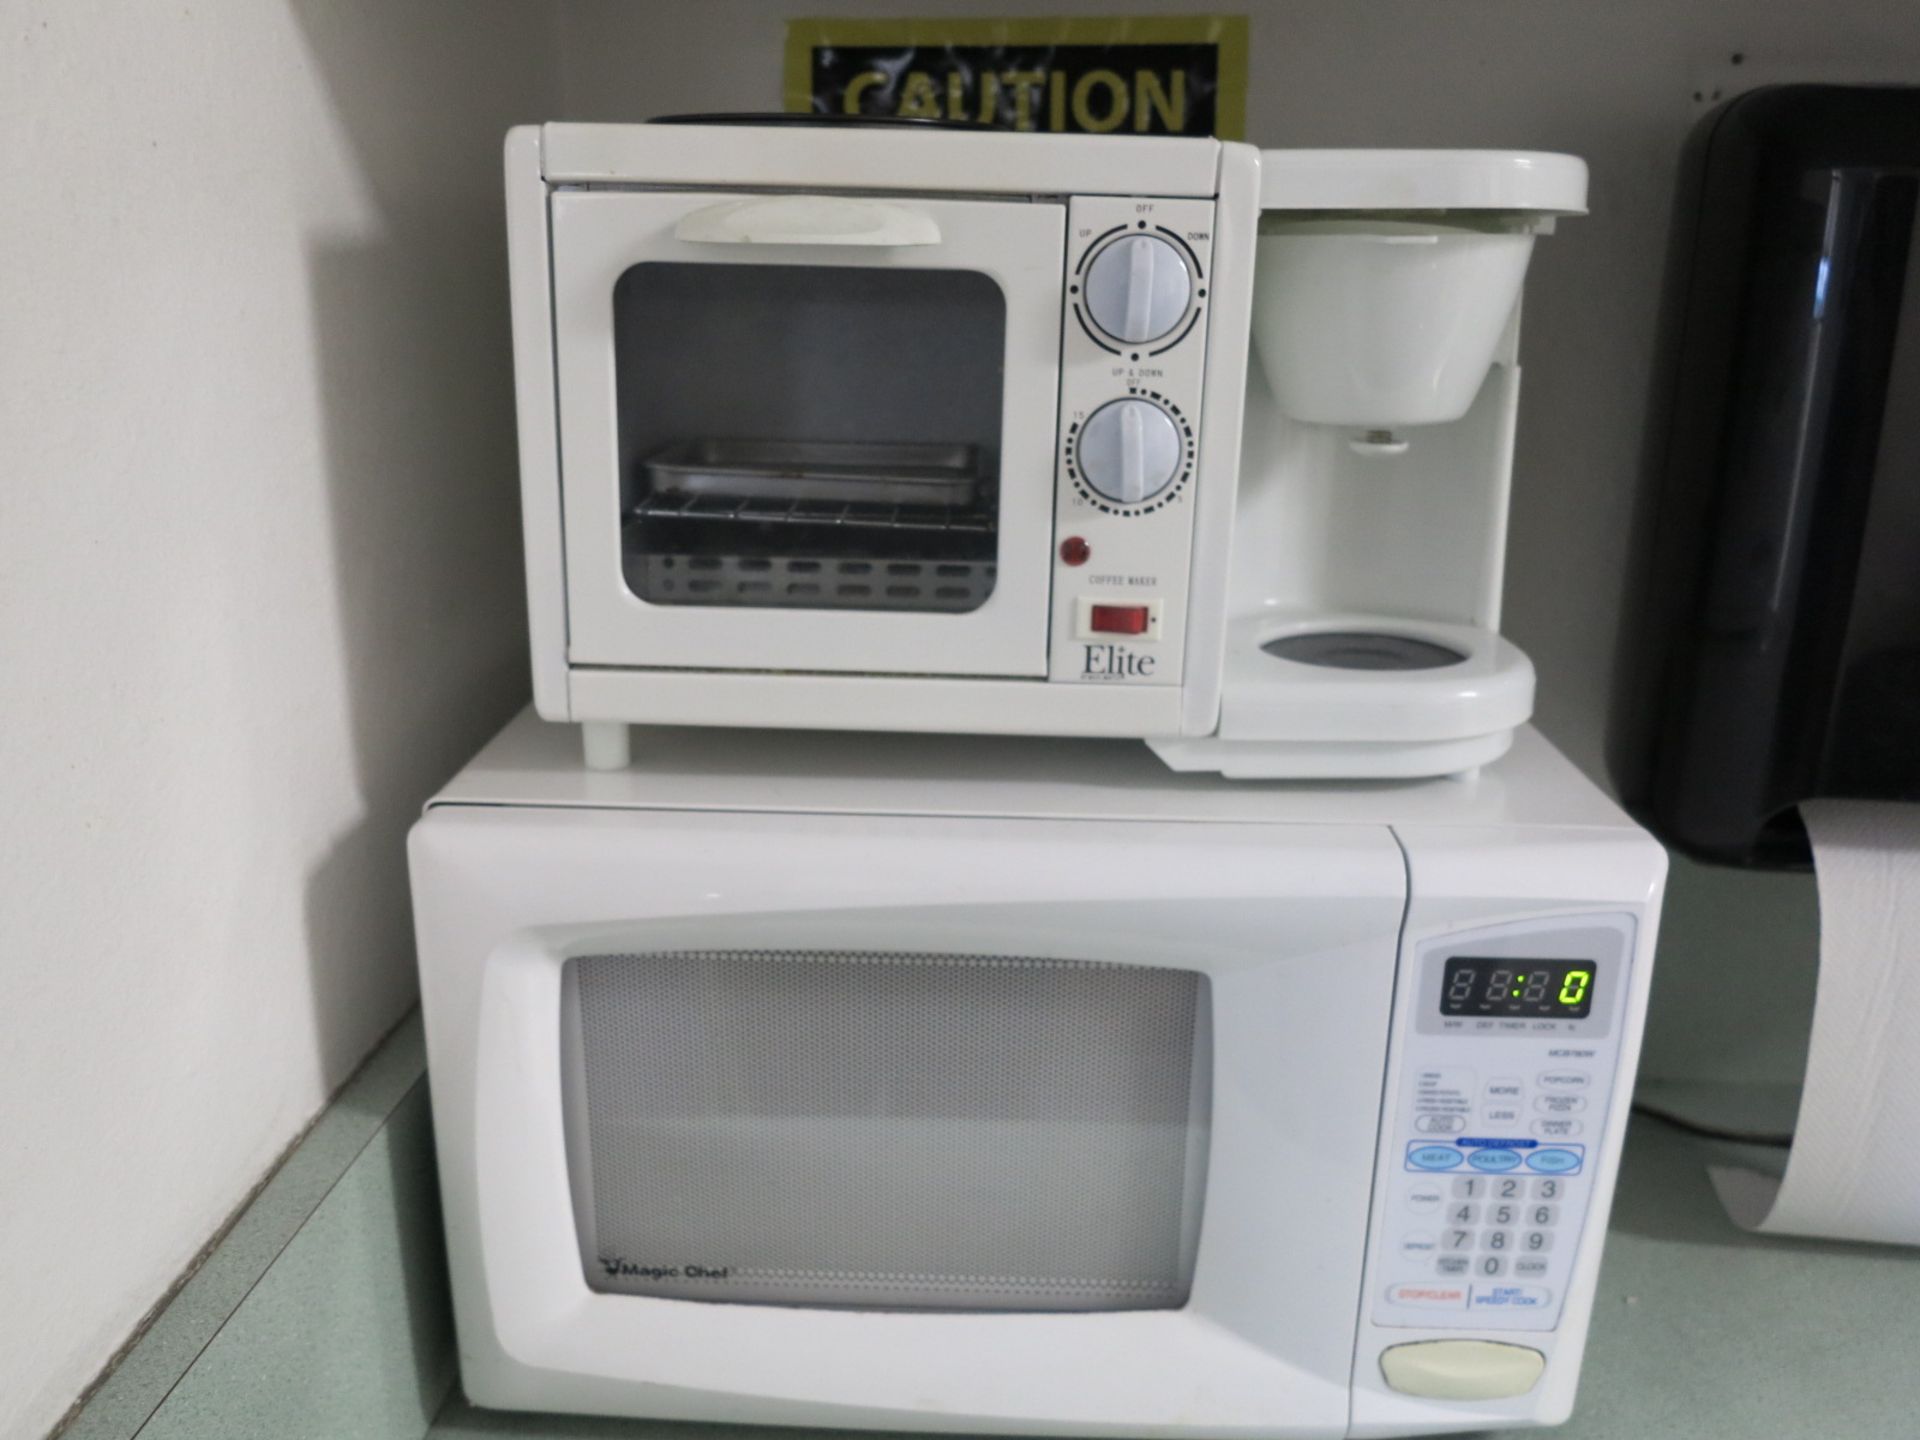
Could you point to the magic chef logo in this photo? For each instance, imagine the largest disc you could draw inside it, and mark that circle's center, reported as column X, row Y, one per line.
column 1116, row 662
column 618, row 1267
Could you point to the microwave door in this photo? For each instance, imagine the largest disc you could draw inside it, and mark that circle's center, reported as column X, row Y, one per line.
column 751, row 1116
column 807, row 432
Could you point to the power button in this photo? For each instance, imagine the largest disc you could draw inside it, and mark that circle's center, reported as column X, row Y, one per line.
column 1117, row 619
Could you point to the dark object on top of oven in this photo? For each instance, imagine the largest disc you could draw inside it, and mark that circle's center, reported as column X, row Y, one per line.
column 812, row 120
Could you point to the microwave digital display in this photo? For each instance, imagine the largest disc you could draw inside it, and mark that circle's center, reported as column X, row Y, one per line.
column 1517, row 989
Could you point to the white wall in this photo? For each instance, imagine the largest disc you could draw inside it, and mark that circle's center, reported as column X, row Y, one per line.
column 1620, row 83
column 259, row 592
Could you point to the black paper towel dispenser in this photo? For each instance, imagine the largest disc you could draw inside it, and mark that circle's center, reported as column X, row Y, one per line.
column 1773, row 652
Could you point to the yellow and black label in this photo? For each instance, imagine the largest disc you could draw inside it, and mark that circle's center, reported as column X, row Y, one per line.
column 1141, row 75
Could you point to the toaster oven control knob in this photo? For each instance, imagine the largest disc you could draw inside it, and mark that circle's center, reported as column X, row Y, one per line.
column 1138, row 288
column 1128, row 451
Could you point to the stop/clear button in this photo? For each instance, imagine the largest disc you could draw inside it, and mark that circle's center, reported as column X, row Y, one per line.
column 1428, row 1295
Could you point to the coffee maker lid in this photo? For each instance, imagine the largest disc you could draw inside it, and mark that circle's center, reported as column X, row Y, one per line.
column 1530, row 181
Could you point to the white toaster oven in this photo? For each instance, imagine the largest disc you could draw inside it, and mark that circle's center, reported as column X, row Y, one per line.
column 898, row 428
column 874, row 426
column 1025, row 1086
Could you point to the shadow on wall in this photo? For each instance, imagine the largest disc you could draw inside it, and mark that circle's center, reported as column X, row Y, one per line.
column 417, row 398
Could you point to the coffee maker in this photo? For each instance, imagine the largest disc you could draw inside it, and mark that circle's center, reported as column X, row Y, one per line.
column 1363, row 615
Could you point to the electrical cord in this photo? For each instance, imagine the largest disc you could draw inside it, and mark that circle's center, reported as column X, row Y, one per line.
column 1713, row 1132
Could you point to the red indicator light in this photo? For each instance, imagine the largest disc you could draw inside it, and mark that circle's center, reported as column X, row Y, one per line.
column 1119, row 619
column 1075, row 551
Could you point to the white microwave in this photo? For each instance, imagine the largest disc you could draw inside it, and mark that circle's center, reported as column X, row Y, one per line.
column 1024, row 1086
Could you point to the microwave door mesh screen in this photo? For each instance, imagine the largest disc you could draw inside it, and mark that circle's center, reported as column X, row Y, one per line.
column 888, row 1130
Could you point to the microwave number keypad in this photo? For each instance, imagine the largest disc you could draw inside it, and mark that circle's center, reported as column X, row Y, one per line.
column 1492, row 1227
column 1489, row 1164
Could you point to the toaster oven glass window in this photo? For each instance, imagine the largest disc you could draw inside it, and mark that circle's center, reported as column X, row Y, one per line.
column 902, row 1131
column 824, row 437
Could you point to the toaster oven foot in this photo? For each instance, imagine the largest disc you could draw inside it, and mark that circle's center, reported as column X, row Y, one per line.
column 607, row 744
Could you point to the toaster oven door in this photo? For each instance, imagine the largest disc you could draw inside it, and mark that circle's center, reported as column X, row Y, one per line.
column 807, row 432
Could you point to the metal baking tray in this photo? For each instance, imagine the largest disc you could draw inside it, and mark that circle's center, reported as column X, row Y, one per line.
column 846, row 471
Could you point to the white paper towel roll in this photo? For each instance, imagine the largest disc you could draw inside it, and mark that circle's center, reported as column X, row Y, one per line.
column 1854, row 1170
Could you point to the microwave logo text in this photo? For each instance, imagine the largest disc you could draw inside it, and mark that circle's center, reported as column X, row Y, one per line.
column 1116, row 662
column 618, row 1267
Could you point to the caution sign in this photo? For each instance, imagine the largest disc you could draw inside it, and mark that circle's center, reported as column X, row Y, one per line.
column 1131, row 76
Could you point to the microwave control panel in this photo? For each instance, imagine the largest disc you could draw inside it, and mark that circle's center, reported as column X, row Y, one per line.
column 1132, row 358
column 1510, row 1039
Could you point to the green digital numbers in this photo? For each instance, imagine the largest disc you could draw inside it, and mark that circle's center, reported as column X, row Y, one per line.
column 1552, row 991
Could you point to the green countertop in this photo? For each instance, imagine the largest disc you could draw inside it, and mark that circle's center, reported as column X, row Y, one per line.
column 323, row 1314
column 1701, row 1331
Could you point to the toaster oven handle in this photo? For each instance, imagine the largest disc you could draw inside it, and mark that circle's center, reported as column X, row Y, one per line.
column 807, row 220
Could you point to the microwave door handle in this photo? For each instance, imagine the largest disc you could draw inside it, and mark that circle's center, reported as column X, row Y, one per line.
column 807, row 220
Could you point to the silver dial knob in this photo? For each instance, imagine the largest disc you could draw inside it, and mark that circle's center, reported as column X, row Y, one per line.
column 1138, row 288
column 1129, row 450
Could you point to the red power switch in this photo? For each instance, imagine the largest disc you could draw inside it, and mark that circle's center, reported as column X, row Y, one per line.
column 1119, row 619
